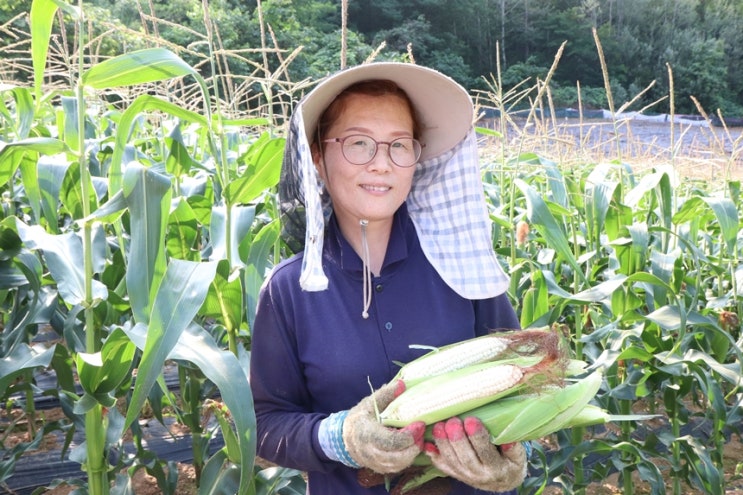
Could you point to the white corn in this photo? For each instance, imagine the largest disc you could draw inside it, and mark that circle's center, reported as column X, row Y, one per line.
column 454, row 357
column 435, row 400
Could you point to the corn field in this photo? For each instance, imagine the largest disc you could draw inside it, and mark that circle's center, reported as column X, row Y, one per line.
column 139, row 220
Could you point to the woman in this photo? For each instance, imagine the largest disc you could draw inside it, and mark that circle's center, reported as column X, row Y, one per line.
column 382, row 159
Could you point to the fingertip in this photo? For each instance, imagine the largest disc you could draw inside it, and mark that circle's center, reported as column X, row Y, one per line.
column 399, row 387
column 506, row 447
column 439, row 430
column 473, row 425
column 417, row 430
column 454, row 428
column 430, row 448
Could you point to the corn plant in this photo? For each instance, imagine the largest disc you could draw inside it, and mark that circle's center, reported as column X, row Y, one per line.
column 625, row 265
column 135, row 234
column 643, row 274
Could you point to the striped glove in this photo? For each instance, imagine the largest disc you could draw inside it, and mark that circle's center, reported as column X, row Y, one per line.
column 463, row 451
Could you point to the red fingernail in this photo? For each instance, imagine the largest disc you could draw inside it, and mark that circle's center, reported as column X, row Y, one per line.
column 506, row 446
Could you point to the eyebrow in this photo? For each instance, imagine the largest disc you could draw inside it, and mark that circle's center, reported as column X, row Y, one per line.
column 364, row 130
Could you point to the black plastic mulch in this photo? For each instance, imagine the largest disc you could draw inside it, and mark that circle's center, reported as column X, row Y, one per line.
column 38, row 469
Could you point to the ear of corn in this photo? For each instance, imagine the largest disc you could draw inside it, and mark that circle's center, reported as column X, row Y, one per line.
column 498, row 346
column 550, row 411
column 448, row 395
column 453, row 357
column 519, row 395
column 521, row 354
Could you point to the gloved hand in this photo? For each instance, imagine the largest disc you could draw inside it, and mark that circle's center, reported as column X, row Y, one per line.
column 377, row 447
column 463, row 451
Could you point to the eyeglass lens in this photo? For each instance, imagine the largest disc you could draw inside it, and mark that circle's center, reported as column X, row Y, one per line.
column 360, row 150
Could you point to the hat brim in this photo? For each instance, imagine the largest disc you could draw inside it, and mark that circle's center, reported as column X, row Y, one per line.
column 443, row 106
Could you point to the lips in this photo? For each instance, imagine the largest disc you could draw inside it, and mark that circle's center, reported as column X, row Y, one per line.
column 375, row 188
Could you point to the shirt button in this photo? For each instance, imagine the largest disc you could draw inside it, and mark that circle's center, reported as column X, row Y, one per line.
column 388, row 326
column 379, row 287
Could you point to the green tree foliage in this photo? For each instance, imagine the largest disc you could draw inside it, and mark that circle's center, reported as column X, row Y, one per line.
column 701, row 40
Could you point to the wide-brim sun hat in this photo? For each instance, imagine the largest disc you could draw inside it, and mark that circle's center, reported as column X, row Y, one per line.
column 446, row 201
column 443, row 106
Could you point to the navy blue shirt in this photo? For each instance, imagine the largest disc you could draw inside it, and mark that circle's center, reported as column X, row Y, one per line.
column 313, row 354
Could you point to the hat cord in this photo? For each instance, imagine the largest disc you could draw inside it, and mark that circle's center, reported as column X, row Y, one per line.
column 367, row 270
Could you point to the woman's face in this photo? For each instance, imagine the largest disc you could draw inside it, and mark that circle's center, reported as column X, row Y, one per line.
column 376, row 190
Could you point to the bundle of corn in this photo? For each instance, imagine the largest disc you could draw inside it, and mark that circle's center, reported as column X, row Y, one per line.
column 518, row 383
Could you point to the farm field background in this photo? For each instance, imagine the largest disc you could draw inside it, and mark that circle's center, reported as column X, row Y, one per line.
column 140, row 218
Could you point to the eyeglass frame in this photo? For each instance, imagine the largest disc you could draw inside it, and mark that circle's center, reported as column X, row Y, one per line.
column 342, row 140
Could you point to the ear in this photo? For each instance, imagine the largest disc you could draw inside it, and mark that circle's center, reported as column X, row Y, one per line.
column 317, row 159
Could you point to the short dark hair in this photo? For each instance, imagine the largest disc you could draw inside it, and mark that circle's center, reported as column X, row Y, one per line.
column 372, row 87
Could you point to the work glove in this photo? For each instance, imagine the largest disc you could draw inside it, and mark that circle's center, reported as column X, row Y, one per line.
column 355, row 437
column 377, row 447
column 463, row 451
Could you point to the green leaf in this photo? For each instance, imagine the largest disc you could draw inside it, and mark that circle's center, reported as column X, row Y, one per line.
column 219, row 477
column 139, row 67
column 646, row 184
column 148, row 197
column 669, row 318
column 180, row 295
column 64, row 258
column 536, row 300
column 117, row 354
column 183, row 232
column 225, row 299
column 41, row 17
column 141, row 104
column 541, row 218
column 71, row 193
column 108, row 212
column 24, row 111
column 241, row 222
column 11, row 154
column 42, row 193
column 264, row 158
column 259, row 250
column 102, row 373
column 23, row 357
column 600, row 292
column 170, row 335
column 727, row 218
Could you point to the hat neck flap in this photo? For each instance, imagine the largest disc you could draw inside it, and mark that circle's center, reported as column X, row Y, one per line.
column 446, row 203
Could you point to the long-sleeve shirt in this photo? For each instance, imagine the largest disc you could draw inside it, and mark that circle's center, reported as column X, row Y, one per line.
column 313, row 354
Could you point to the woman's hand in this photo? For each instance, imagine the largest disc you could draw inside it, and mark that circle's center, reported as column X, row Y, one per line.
column 463, row 451
column 377, row 447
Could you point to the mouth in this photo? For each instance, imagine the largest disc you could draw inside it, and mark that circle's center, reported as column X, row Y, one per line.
column 375, row 188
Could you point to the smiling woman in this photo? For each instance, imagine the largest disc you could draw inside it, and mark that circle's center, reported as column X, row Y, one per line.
column 383, row 160
column 373, row 190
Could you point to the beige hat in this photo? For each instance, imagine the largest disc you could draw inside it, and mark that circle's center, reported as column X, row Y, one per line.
column 443, row 106
column 446, row 201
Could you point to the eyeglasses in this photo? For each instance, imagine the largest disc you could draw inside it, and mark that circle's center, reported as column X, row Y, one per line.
column 360, row 149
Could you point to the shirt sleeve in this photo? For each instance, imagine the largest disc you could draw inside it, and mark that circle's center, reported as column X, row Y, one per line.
column 286, row 425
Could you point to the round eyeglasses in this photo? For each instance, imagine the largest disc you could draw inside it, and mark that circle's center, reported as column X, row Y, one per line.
column 360, row 149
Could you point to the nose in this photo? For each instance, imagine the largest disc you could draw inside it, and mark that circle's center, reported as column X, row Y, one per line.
column 381, row 159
